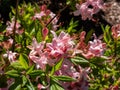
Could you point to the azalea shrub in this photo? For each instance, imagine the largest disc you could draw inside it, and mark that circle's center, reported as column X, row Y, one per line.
column 38, row 53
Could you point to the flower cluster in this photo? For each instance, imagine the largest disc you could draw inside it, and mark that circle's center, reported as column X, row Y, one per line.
column 94, row 48
column 63, row 47
column 46, row 16
column 116, row 31
column 78, row 73
column 11, row 56
column 88, row 8
column 60, row 47
column 12, row 25
column 42, row 57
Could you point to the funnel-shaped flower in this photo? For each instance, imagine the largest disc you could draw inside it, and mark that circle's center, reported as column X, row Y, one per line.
column 60, row 45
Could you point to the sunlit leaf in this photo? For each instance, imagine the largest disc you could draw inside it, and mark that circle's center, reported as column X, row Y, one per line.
column 79, row 60
column 13, row 73
column 36, row 73
column 23, row 61
column 64, row 78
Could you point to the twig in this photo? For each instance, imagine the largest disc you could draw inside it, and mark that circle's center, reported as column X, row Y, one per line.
column 14, row 29
column 56, row 15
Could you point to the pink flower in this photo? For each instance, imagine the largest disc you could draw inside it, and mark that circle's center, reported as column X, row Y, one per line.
column 10, row 27
column 10, row 55
column 77, row 73
column 46, row 16
column 88, row 9
column 116, row 31
column 39, row 15
column 60, row 45
column 95, row 49
column 40, row 86
column 81, row 46
column 66, row 68
column 45, row 32
column 37, row 55
column 7, row 44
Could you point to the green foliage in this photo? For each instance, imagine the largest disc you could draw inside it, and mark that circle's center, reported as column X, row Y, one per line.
column 23, row 61
column 13, row 73
column 64, row 78
column 80, row 60
column 107, row 34
column 56, row 67
column 71, row 28
column 104, row 69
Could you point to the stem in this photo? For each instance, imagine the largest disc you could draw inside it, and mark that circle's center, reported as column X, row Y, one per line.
column 56, row 15
column 115, row 48
column 14, row 29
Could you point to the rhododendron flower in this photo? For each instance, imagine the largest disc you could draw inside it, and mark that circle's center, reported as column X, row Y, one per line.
column 88, row 9
column 40, row 86
column 60, row 45
column 116, row 31
column 66, row 68
column 96, row 49
column 43, row 17
column 10, row 55
column 81, row 46
column 39, row 15
column 43, row 12
column 7, row 44
column 10, row 27
column 79, row 74
column 37, row 55
column 45, row 32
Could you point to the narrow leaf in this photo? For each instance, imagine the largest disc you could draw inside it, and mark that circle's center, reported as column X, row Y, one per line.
column 30, row 69
column 36, row 72
column 17, row 65
column 24, row 80
column 23, row 61
column 56, row 67
column 13, row 73
column 79, row 60
column 55, row 87
column 64, row 78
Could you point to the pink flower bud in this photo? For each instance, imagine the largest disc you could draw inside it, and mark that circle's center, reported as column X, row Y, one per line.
column 45, row 32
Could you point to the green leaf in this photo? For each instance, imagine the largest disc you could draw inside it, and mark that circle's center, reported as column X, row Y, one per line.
column 15, row 87
column 13, row 73
column 55, row 86
column 23, row 61
column 24, row 80
column 106, row 35
column 30, row 69
column 88, row 36
column 97, row 60
column 1, row 37
column 56, row 67
column 16, row 65
column 39, row 36
column 28, row 35
column 79, row 60
column 71, row 26
column 30, row 85
column 36, row 72
column 64, row 78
